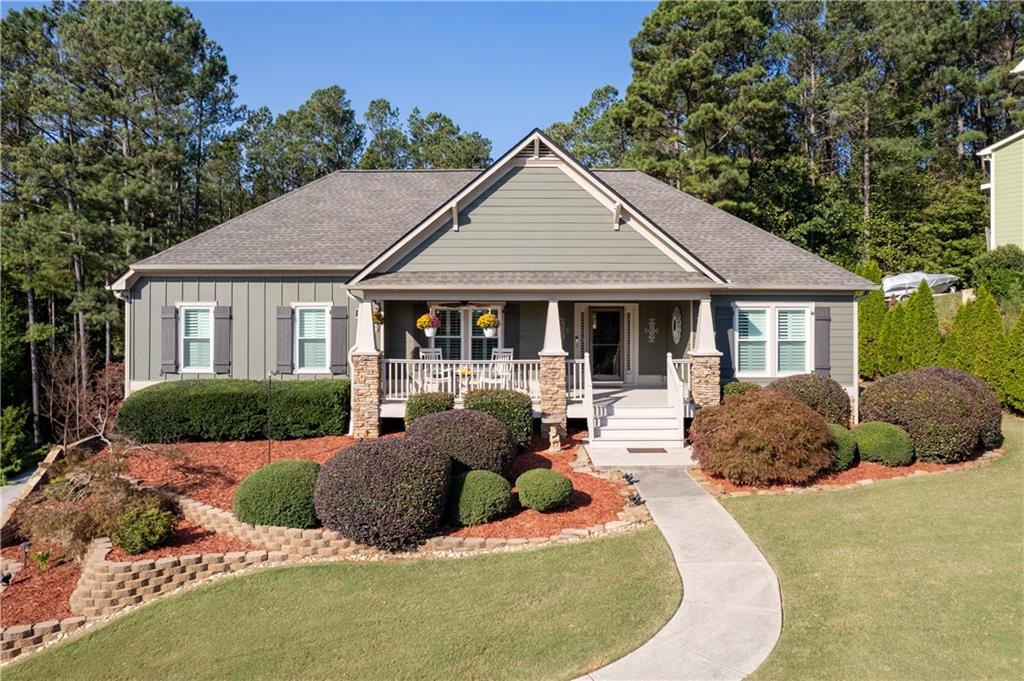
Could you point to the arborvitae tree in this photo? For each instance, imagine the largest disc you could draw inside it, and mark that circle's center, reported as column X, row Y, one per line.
column 989, row 342
column 892, row 356
column 958, row 348
column 870, row 316
column 922, row 329
column 1013, row 372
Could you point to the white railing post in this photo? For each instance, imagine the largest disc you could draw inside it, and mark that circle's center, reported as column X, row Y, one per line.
column 588, row 397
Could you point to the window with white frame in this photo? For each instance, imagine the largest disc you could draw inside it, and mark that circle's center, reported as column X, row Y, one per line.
column 752, row 341
column 311, row 341
column 459, row 337
column 480, row 346
column 791, row 334
column 772, row 340
column 196, row 338
column 449, row 335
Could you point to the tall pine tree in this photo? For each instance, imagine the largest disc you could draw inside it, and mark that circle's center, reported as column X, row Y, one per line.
column 870, row 316
column 922, row 338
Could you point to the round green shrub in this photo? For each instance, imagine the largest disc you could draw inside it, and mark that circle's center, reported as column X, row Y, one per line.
column 142, row 529
column 884, row 443
column 474, row 440
column 279, row 494
column 514, row 409
column 421, row 404
column 846, row 447
column 543, row 490
column 766, row 437
column 982, row 401
column 821, row 394
column 389, row 493
column 739, row 388
column 478, row 497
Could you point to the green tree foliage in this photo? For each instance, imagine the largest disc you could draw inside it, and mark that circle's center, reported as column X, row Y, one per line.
column 922, row 339
column 591, row 135
column 871, row 312
column 1001, row 271
column 389, row 147
column 989, row 344
column 436, row 142
column 958, row 347
column 1013, row 374
column 892, row 342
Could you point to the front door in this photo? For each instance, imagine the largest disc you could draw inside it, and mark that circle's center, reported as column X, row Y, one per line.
column 606, row 351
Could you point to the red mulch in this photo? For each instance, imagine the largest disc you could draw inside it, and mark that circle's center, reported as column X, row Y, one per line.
column 593, row 500
column 187, row 539
column 210, row 471
column 35, row 596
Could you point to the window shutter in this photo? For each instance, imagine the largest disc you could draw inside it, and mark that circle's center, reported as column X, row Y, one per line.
column 339, row 339
column 511, row 331
column 822, row 340
column 724, row 336
column 222, row 339
column 285, row 337
column 168, row 339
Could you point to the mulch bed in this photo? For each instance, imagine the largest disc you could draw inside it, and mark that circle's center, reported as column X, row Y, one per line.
column 594, row 500
column 210, row 471
column 188, row 539
column 35, row 596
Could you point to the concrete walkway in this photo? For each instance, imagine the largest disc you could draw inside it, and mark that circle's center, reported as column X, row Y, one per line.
column 731, row 614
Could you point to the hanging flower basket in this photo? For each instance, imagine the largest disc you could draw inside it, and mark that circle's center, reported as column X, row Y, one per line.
column 428, row 324
column 489, row 323
column 378, row 318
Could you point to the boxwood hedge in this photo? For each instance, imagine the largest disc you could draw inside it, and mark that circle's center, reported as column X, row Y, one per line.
column 280, row 493
column 543, row 489
column 820, row 393
column 884, row 443
column 474, row 440
column 478, row 497
column 422, row 404
column 514, row 409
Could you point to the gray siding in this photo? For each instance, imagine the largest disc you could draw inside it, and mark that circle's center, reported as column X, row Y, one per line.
column 253, row 301
column 535, row 219
column 652, row 355
column 842, row 342
column 402, row 339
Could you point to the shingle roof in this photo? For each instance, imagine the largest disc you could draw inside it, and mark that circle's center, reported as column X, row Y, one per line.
column 346, row 219
column 535, row 279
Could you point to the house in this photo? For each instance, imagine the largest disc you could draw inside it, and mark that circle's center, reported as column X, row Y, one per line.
column 622, row 300
column 1004, row 161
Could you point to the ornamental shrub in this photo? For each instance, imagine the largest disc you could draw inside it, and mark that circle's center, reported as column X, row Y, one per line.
column 944, row 414
column 474, row 440
column 478, row 497
column 1013, row 373
column 142, row 529
column 981, row 401
column 765, row 437
column 989, row 345
column 389, row 493
column 845, row 446
column 1001, row 271
column 892, row 354
column 234, row 409
column 543, row 489
column 739, row 388
column 922, row 339
column 422, row 404
column 280, row 494
column 884, row 443
column 820, row 393
column 514, row 409
column 870, row 316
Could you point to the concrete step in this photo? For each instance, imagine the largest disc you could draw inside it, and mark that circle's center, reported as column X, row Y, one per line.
column 639, row 423
column 640, row 435
column 618, row 457
column 668, row 445
column 636, row 412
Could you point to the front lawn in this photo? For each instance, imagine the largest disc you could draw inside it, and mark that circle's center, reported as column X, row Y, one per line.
column 550, row 613
column 918, row 578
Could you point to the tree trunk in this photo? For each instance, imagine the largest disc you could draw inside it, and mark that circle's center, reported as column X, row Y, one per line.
column 83, row 350
column 33, row 358
column 960, row 151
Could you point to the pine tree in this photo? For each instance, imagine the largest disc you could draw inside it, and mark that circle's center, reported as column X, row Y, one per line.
column 989, row 343
column 922, row 329
column 958, row 348
column 892, row 357
column 870, row 317
column 1013, row 373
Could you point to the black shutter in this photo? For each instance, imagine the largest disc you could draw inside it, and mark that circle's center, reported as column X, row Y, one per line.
column 339, row 339
column 222, row 339
column 724, row 335
column 284, row 339
column 511, row 332
column 168, row 339
column 822, row 340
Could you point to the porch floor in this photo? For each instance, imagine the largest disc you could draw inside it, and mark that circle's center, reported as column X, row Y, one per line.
column 628, row 397
column 621, row 458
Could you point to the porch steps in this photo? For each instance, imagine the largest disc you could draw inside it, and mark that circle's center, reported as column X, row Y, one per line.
column 647, row 427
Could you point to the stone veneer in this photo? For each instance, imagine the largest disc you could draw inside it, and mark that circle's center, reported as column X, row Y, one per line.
column 705, row 380
column 366, row 395
column 552, row 389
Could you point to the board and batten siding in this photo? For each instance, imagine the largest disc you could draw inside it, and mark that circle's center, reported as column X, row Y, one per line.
column 1008, row 194
column 253, row 301
column 842, row 339
column 535, row 219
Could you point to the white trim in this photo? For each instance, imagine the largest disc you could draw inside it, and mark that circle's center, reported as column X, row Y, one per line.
column 771, row 338
column 992, row 203
column 466, row 325
column 854, row 392
column 631, row 337
column 127, row 347
column 1001, row 143
column 182, row 309
column 326, row 307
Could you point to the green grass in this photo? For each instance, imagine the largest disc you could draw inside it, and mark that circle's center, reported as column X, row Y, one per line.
column 550, row 613
column 920, row 578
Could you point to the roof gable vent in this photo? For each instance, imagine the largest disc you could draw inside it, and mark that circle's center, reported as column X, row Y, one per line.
column 536, row 150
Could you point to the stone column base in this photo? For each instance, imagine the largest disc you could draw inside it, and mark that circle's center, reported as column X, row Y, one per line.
column 366, row 395
column 705, row 379
column 552, row 390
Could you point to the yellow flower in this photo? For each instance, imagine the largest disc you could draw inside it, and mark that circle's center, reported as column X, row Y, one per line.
column 487, row 321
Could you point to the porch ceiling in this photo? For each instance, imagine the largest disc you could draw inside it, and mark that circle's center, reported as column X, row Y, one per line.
column 538, row 280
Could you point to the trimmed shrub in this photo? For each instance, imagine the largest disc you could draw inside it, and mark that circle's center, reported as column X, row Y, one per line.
column 922, row 331
column 474, row 440
column 846, row 447
column 870, row 315
column 543, row 490
column 478, row 497
column 279, row 494
column 947, row 414
column 514, row 409
column 421, row 404
column 1013, row 373
column 765, row 437
column 143, row 529
column 234, row 409
column 884, row 443
column 388, row 493
column 1001, row 271
column 739, row 388
column 821, row 394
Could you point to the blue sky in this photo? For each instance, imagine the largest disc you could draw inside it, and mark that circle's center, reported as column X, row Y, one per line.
column 500, row 68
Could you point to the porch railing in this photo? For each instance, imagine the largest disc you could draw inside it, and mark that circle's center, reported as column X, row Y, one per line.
column 579, row 386
column 406, row 377
column 677, row 372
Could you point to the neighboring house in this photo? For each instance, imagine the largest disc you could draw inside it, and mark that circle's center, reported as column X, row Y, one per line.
column 611, row 286
column 1004, row 161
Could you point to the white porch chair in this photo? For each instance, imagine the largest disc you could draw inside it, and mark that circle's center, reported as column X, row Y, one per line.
column 435, row 376
column 500, row 373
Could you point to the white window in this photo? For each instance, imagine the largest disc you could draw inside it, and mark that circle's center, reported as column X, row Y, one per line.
column 480, row 346
column 752, row 341
column 791, row 334
column 459, row 337
column 311, row 339
column 772, row 340
column 196, row 338
column 449, row 335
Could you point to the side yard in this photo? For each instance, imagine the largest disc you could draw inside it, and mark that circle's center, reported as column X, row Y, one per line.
column 904, row 579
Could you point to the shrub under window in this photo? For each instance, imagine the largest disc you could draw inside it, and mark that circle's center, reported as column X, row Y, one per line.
column 821, row 394
column 421, row 404
column 514, row 409
column 884, row 443
column 279, row 494
column 739, row 388
column 473, row 439
column 478, row 497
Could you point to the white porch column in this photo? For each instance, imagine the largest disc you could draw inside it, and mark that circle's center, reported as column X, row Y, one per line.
column 552, row 332
column 366, row 371
column 705, row 374
column 552, row 373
